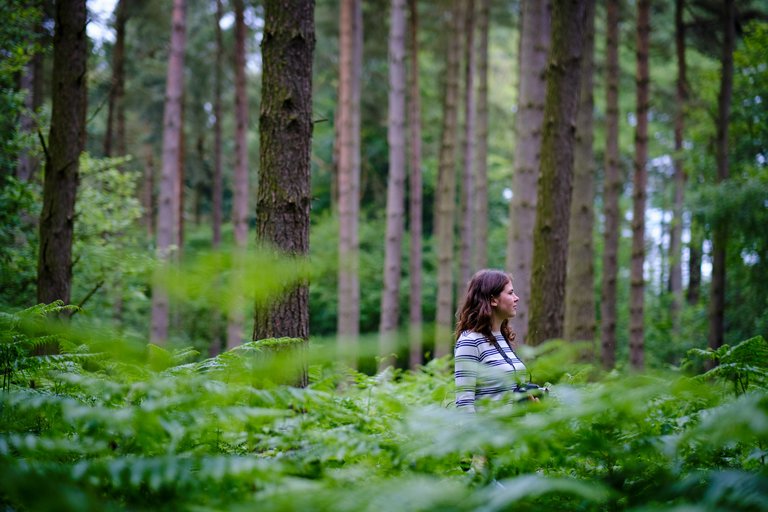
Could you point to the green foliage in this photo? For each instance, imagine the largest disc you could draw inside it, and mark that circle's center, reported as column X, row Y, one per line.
column 742, row 365
column 98, row 430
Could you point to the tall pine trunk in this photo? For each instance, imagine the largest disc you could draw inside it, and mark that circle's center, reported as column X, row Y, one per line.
column 396, row 182
column 168, row 203
column 612, row 188
column 115, row 133
column 639, row 192
column 285, row 134
column 66, row 140
column 676, row 230
column 534, row 48
column 348, row 175
column 580, row 276
column 240, row 205
column 467, row 196
column 481, row 149
column 415, row 197
column 446, row 191
column 550, row 241
column 720, row 230
column 217, row 185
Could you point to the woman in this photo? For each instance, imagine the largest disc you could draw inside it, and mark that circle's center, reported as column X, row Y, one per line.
column 486, row 367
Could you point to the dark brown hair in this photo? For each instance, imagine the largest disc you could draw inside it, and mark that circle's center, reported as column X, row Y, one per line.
column 476, row 313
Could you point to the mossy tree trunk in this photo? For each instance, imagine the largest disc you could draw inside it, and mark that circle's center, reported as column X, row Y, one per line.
column 580, row 276
column 415, row 195
column 481, row 146
column 66, row 140
column 550, row 239
column 445, row 208
column 217, row 183
column 639, row 190
column 612, row 188
column 285, row 132
column 535, row 20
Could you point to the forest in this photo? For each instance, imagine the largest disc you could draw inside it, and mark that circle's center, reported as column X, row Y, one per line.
column 234, row 236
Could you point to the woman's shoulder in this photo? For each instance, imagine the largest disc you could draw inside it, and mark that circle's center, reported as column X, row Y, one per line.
column 470, row 337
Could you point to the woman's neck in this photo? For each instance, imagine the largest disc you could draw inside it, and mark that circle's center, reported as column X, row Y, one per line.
column 496, row 324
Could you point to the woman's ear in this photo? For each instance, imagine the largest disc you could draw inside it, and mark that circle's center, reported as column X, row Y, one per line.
column 494, row 302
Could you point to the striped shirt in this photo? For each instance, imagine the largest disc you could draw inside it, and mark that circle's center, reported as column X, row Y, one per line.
column 481, row 371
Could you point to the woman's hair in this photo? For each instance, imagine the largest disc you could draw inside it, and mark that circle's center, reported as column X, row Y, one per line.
column 476, row 313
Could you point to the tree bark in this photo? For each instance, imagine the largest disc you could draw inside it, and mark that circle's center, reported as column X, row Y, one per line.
column 534, row 48
column 676, row 230
column 446, row 185
column 720, row 230
column 467, row 195
column 580, row 276
column 115, row 133
column 66, row 140
column 348, row 131
column 694, row 263
column 240, row 206
column 550, row 242
column 415, row 198
column 285, row 133
column 639, row 192
column 395, row 185
column 481, row 153
column 168, row 203
column 217, row 185
column 612, row 189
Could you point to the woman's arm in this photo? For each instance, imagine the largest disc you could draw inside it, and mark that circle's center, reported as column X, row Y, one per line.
column 466, row 360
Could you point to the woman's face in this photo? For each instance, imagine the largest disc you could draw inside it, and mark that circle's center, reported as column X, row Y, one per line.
column 505, row 305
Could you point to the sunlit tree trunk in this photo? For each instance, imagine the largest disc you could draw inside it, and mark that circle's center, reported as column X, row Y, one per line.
column 445, row 209
column 285, row 134
column 534, row 47
column 481, row 152
column 66, row 140
column 168, row 206
column 348, row 132
column 720, row 230
column 217, row 185
column 115, row 109
column 396, row 182
column 639, row 192
column 240, row 204
column 612, row 188
column 467, row 195
column 550, row 239
column 415, row 197
column 676, row 231
column 580, row 276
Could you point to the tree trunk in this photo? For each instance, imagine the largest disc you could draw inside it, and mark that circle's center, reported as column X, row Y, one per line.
column 240, row 205
column 694, row 263
column 446, row 192
column 676, row 231
column 550, row 242
column 66, row 141
column 720, row 230
column 181, row 179
column 217, row 185
column 115, row 109
column 639, row 192
column 415, row 182
column 348, row 130
column 31, row 82
column 285, row 133
column 481, row 158
column 168, row 203
column 467, row 196
column 396, row 183
column 534, row 47
column 612, row 189
column 148, row 188
column 580, row 276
